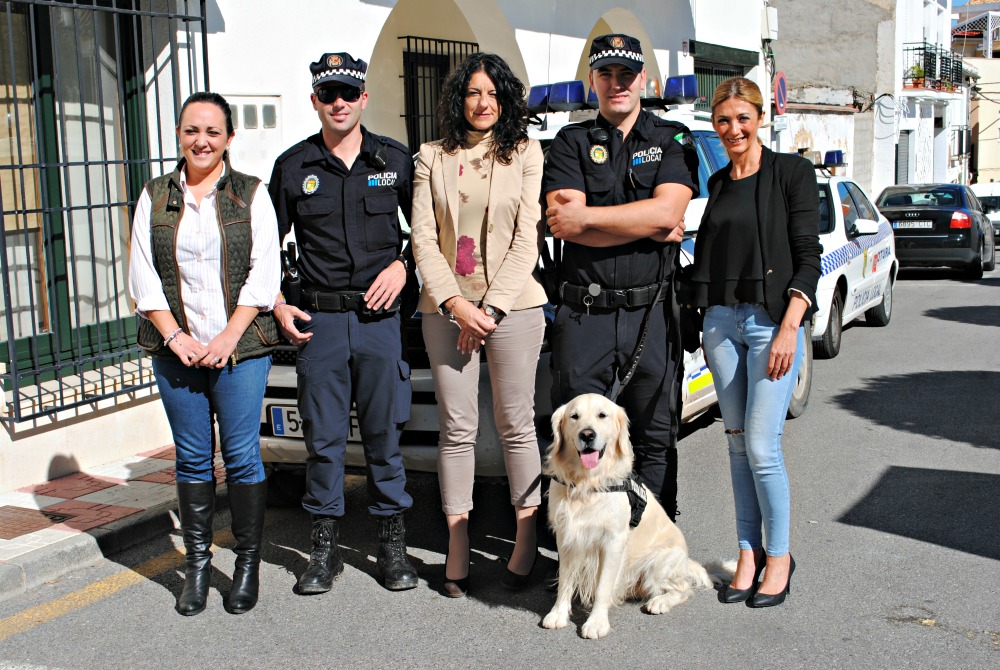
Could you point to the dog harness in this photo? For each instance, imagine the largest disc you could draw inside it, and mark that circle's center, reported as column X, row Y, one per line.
column 636, row 496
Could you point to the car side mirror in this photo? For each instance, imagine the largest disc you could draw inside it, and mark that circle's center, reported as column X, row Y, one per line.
column 864, row 227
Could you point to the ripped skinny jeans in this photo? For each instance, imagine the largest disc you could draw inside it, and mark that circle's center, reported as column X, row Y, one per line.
column 737, row 341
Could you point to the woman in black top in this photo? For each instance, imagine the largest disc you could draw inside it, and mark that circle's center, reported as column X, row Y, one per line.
column 757, row 263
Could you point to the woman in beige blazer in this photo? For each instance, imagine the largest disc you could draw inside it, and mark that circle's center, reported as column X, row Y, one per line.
column 476, row 229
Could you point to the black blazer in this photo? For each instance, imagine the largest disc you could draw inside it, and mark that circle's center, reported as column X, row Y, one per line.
column 788, row 214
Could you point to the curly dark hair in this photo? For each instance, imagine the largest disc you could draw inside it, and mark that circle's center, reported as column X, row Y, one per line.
column 511, row 128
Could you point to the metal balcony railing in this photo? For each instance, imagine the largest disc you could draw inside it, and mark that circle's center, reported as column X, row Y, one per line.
column 928, row 66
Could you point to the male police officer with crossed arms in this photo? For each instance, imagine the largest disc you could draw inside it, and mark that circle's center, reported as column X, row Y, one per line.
column 616, row 190
column 339, row 190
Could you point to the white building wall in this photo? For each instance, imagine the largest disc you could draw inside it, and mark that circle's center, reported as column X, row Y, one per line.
column 543, row 41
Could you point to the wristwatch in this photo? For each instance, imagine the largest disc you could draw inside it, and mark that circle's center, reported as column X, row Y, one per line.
column 494, row 313
column 402, row 259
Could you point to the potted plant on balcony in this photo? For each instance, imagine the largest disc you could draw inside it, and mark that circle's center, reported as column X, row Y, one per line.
column 914, row 77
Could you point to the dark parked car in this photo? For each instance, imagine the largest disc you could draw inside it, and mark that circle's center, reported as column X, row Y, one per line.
column 939, row 225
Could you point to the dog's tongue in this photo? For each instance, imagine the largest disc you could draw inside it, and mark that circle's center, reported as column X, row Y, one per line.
column 590, row 459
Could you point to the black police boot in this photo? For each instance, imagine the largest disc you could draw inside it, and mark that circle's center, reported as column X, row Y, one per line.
column 393, row 566
column 325, row 562
column 246, row 503
column 196, row 506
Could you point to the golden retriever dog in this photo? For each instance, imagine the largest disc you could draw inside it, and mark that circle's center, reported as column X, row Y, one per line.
column 602, row 559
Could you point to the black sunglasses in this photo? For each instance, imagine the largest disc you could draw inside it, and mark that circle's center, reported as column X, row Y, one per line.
column 328, row 94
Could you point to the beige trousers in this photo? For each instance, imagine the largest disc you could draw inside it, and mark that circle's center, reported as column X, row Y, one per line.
column 512, row 355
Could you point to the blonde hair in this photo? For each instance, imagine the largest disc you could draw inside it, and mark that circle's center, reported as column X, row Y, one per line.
column 740, row 88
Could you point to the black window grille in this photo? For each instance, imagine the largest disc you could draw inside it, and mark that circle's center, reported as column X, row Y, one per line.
column 426, row 64
column 91, row 90
column 708, row 76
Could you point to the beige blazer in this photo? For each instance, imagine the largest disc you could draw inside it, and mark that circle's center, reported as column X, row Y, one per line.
column 513, row 228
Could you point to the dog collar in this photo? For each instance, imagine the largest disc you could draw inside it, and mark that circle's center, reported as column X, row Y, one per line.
column 636, row 495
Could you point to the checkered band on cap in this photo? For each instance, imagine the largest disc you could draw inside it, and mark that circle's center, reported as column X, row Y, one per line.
column 616, row 53
column 342, row 71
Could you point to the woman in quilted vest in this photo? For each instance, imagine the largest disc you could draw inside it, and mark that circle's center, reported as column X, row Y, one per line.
column 204, row 273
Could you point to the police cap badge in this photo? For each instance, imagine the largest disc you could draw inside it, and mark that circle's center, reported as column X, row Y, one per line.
column 616, row 50
column 338, row 68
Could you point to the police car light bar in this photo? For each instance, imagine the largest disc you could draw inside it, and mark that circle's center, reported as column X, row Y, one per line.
column 538, row 99
column 681, row 90
column 567, row 96
column 563, row 96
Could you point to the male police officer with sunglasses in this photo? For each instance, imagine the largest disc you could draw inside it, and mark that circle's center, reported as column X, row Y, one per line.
column 340, row 190
column 616, row 190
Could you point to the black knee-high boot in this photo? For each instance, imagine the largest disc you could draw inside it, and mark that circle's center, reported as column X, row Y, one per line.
column 246, row 503
column 196, row 506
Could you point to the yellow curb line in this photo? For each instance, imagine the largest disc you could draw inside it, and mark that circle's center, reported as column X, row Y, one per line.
column 99, row 590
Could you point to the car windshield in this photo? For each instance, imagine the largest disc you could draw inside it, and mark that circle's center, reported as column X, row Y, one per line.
column 929, row 197
column 991, row 203
column 718, row 152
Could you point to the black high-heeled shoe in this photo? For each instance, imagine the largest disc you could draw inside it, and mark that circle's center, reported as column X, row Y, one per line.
column 454, row 588
column 771, row 599
column 515, row 582
column 731, row 595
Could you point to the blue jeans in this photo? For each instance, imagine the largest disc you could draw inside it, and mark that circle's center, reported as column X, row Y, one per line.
column 737, row 341
column 194, row 396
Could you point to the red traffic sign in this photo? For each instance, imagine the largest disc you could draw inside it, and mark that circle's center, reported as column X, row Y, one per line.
column 780, row 93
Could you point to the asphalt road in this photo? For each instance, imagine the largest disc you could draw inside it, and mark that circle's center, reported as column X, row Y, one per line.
column 895, row 476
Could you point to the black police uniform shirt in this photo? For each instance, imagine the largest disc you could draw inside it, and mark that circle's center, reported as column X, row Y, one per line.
column 346, row 221
column 616, row 174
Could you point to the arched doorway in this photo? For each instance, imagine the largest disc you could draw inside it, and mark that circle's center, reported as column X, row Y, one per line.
column 420, row 43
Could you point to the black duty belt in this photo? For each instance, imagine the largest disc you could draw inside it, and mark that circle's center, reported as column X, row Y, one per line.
column 609, row 298
column 343, row 301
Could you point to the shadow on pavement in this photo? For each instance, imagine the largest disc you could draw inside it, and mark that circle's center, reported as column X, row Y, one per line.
column 956, row 405
column 951, row 509
column 979, row 315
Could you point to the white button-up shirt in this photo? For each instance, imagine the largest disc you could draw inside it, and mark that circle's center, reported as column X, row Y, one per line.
column 199, row 259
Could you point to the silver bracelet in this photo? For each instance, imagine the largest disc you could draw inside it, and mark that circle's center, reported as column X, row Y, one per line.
column 171, row 336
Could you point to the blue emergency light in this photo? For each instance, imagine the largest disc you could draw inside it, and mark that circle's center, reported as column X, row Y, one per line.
column 538, row 98
column 834, row 158
column 680, row 90
column 567, row 96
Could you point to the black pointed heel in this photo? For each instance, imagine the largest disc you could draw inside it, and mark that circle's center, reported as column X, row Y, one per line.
column 772, row 599
column 515, row 582
column 454, row 588
column 731, row 595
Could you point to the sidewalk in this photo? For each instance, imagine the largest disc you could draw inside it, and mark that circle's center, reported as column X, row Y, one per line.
column 50, row 529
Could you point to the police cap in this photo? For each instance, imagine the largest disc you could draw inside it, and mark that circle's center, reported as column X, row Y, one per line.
column 340, row 68
column 616, row 49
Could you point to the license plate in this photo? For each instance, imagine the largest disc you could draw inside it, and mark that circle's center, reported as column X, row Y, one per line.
column 913, row 224
column 285, row 421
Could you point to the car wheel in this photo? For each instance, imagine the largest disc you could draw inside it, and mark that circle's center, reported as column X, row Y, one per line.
column 803, row 385
column 975, row 269
column 991, row 263
column 829, row 345
column 879, row 314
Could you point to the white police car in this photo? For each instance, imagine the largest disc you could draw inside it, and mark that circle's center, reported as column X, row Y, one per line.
column 859, row 263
